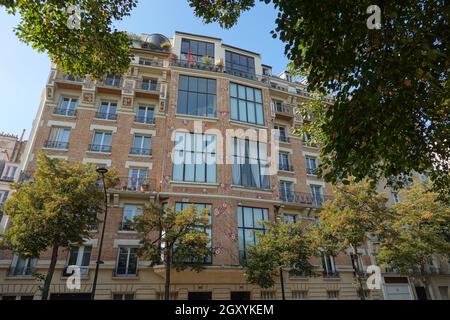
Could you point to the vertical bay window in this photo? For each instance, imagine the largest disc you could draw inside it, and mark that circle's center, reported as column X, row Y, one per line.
column 180, row 206
column 246, row 104
column 317, row 195
column 284, row 162
column 287, row 191
column 249, row 224
column 197, row 96
column 197, row 50
column 250, row 164
column 127, row 262
column 281, row 134
column 130, row 211
column 311, row 165
column 59, row 138
column 194, row 158
column 329, row 266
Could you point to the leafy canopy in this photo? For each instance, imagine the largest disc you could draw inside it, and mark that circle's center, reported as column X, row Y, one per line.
column 419, row 231
column 283, row 245
column 176, row 238
column 95, row 49
column 58, row 208
column 391, row 86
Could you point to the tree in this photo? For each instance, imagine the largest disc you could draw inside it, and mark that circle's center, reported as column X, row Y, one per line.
column 357, row 212
column 391, row 85
column 283, row 245
column 94, row 49
column 419, row 231
column 175, row 239
column 56, row 210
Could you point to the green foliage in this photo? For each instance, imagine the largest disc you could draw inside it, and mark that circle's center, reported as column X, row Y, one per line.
column 58, row 208
column 282, row 246
column 181, row 233
column 96, row 49
column 391, row 86
column 419, row 231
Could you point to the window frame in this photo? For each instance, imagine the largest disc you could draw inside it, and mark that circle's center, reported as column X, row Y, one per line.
column 242, row 100
column 242, row 229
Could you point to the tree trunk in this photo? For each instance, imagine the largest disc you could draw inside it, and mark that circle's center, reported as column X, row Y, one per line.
column 51, row 270
column 354, row 258
column 168, row 265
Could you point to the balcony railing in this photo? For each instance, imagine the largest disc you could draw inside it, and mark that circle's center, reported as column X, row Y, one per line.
column 147, row 86
column 195, row 65
column 283, row 138
column 284, row 110
column 112, row 82
column 141, row 151
column 106, row 116
column 331, row 274
column 302, row 198
column 7, row 179
column 21, row 271
column 68, row 78
column 311, row 171
column 124, row 274
column 57, row 145
column 146, row 120
column 141, row 185
column 151, row 62
column 100, row 148
column 286, row 167
column 84, row 271
column 65, row 112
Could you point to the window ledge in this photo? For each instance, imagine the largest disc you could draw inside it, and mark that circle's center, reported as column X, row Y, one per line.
column 103, row 153
column 127, row 232
column 52, row 149
column 191, row 117
column 194, row 184
column 63, row 116
column 144, row 124
column 140, row 156
column 254, row 190
column 125, row 277
column 247, row 124
column 285, row 171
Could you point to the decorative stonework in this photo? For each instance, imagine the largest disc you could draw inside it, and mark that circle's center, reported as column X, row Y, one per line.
column 50, row 93
column 88, row 97
column 128, row 86
column 127, row 101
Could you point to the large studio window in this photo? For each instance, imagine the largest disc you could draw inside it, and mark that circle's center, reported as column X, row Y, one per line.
column 246, row 104
column 197, row 96
column 249, row 224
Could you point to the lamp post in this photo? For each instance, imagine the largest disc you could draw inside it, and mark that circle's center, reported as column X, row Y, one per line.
column 102, row 172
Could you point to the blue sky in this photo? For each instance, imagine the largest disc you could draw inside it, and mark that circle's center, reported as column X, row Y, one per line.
column 23, row 72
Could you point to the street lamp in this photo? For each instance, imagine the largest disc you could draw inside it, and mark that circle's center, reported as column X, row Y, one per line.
column 102, row 172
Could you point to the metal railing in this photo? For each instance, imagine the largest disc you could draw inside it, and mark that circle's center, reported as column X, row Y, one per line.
column 151, row 62
column 7, row 179
column 57, row 145
column 141, row 151
column 106, row 116
column 147, row 86
column 196, row 65
column 284, row 110
column 283, row 138
column 21, row 271
column 141, row 185
column 146, row 120
column 286, row 167
column 112, row 82
column 303, row 198
column 331, row 274
column 65, row 112
column 100, row 148
column 311, row 171
column 84, row 271
column 68, row 78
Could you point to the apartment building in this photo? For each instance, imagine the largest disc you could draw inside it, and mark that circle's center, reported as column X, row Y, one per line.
column 182, row 100
column 11, row 149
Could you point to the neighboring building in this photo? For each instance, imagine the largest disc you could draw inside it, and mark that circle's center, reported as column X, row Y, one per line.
column 11, row 149
column 136, row 123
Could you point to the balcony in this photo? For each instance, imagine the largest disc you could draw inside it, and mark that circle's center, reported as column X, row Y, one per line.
column 286, row 167
column 283, row 139
column 56, row 145
column 21, row 271
column 284, row 112
column 304, row 199
column 141, row 152
column 111, row 85
column 100, row 148
column 151, row 62
column 195, row 65
column 145, row 120
column 67, row 81
column 65, row 112
column 139, row 185
column 106, row 116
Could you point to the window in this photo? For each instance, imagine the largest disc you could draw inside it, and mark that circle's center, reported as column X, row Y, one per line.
column 149, row 84
column 107, row 111
column 145, row 115
column 286, row 191
column 281, row 134
column 317, row 196
column 101, row 142
column 67, row 107
column 130, row 211
column 329, row 267
column 395, row 197
column 172, row 296
column 123, row 296
column 137, row 178
column 3, row 196
column 333, row 294
column 249, row 223
column 59, row 138
column 9, row 173
column 250, row 165
column 113, row 81
column 197, row 96
column 194, row 158
column 311, row 165
column 23, row 266
column 142, row 145
column 81, row 257
column 284, row 162
column 299, row 295
column 240, row 65
column 127, row 262
column 197, row 49
column 267, row 295
column 180, row 206
column 290, row 218
column 279, row 107
column 246, row 104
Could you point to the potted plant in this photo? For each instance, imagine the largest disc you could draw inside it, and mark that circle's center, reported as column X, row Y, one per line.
column 220, row 64
column 166, row 46
column 207, row 62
